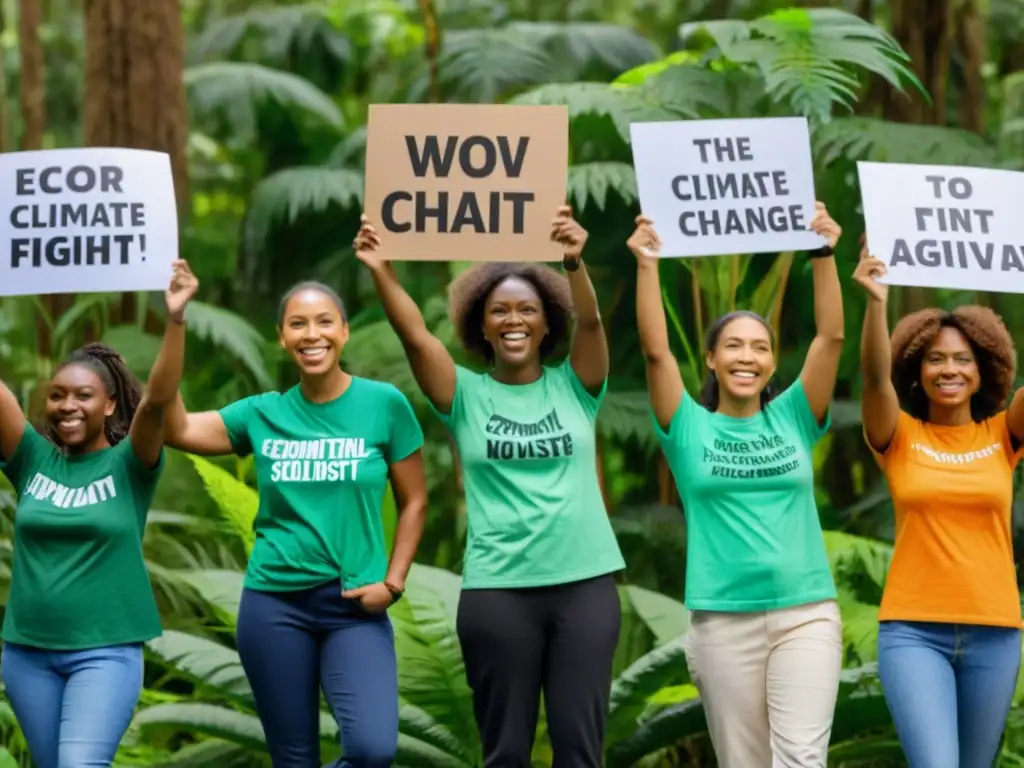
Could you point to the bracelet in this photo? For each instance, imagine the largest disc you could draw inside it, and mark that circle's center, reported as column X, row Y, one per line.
column 821, row 253
column 571, row 265
column 396, row 593
column 175, row 320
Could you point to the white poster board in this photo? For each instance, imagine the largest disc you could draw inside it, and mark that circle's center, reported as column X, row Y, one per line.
column 717, row 187
column 90, row 220
column 942, row 226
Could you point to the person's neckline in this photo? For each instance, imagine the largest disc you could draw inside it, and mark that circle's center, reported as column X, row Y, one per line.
column 297, row 389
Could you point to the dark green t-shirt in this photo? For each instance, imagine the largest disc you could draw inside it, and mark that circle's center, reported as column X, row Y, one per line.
column 79, row 579
column 321, row 472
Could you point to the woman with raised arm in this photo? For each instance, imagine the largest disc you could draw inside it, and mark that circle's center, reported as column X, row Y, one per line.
column 935, row 417
column 81, row 604
column 765, row 641
column 539, row 611
column 313, row 613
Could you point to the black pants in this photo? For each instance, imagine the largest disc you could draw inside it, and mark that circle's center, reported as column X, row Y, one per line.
column 291, row 645
column 560, row 640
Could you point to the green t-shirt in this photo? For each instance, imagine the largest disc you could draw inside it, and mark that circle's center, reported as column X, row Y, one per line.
column 754, row 539
column 535, row 512
column 321, row 473
column 79, row 579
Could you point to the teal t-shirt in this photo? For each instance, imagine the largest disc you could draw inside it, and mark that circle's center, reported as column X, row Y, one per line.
column 79, row 579
column 754, row 540
column 321, row 474
column 535, row 512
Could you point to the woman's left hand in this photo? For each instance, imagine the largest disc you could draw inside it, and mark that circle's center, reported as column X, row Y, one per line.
column 825, row 225
column 375, row 598
column 568, row 232
column 181, row 290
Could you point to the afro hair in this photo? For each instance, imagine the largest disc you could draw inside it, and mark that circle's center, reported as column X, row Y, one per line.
column 468, row 294
column 989, row 340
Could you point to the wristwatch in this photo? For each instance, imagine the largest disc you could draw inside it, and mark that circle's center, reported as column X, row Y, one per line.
column 396, row 593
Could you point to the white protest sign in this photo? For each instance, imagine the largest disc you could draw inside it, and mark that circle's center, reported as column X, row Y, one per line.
column 942, row 226
column 86, row 221
column 717, row 187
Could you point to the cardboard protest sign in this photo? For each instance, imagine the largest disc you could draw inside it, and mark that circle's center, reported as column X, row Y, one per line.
column 941, row 226
column 716, row 187
column 466, row 182
column 85, row 221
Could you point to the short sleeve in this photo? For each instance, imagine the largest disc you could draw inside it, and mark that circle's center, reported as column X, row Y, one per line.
column 591, row 403
column 679, row 427
column 32, row 450
column 465, row 382
column 904, row 424
column 405, row 433
column 237, row 418
column 793, row 407
column 142, row 478
column 1014, row 448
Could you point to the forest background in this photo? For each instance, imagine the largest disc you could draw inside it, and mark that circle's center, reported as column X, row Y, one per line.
column 262, row 108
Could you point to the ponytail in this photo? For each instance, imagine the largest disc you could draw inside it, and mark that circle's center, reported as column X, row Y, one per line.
column 121, row 384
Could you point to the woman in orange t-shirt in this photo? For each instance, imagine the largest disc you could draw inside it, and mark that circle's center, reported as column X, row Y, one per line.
column 949, row 636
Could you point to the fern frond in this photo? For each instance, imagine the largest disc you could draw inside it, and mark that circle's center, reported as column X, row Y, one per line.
column 620, row 105
column 235, row 91
column 482, row 65
column 590, row 182
column 584, row 43
column 232, row 333
column 286, row 195
column 868, row 138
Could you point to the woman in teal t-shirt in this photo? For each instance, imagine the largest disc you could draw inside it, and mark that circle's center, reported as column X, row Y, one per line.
column 81, row 604
column 313, row 613
column 765, row 640
column 539, row 609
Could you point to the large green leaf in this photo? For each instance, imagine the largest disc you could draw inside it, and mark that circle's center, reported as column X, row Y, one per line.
column 482, row 65
column 236, row 500
column 423, row 742
column 209, row 719
column 138, row 348
column 209, row 753
column 235, row 91
column 868, row 138
column 591, row 182
column 431, row 672
column 667, row 619
column 232, row 333
column 663, row 667
column 221, row 589
column 203, row 662
column 662, row 730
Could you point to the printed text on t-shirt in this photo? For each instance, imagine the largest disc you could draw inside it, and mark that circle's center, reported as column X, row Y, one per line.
column 544, row 439
column 958, row 458
column 43, row 488
column 326, row 459
column 767, row 455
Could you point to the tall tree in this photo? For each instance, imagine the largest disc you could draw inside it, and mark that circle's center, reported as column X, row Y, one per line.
column 134, row 95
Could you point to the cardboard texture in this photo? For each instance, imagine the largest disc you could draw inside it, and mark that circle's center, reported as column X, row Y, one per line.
column 466, row 182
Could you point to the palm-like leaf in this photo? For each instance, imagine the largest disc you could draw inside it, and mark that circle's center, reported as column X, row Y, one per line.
column 285, row 195
column 808, row 56
column 579, row 44
column 236, row 500
column 591, row 182
column 482, row 65
column 625, row 416
column 239, row 728
column 203, row 662
column 235, row 91
column 868, row 138
column 232, row 333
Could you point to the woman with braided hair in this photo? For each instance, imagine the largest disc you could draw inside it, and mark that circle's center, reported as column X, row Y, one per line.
column 81, row 604
column 935, row 415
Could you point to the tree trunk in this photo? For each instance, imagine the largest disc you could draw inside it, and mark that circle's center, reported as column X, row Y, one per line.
column 3, row 90
column 973, row 47
column 33, row 87
column 134, row 95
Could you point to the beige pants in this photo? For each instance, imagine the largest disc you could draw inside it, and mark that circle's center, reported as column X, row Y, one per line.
column 768, row 681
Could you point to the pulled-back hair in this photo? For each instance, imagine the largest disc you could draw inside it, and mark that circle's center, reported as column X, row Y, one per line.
column 310, row 285
column 120, row 383
column 989, row 340
column 709, row 393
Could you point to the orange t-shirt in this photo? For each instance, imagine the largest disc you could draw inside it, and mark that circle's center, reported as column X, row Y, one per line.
column 952, row 488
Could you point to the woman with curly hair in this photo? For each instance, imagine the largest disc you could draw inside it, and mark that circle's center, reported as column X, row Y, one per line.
column 539, row 610
column 81, row 604
column 765, row 641
column 935, row 416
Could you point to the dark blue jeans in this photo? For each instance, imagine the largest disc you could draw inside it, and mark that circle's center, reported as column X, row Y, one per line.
column 73, row 706
column 949, row 688
column 292, row 644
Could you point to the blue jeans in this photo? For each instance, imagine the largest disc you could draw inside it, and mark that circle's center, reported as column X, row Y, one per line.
column 291, row 645
column 73, row 706
column 949, row 688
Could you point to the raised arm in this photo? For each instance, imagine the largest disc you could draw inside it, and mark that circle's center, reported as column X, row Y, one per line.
column 147, row 430
column 879, row 405
column 1015, row 416
column 821, row 366
column 589, row 353
column 431, row 363
column 664, row 382
column 12, row 423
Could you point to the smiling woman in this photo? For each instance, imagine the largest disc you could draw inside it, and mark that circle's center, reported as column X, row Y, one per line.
column 81, row 604
column 319, row 581
column 935, row 415
column 539, row 610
